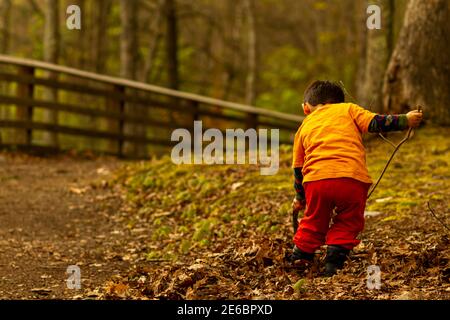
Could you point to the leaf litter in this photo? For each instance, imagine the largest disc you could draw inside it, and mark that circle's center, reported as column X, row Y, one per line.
column 221, row 232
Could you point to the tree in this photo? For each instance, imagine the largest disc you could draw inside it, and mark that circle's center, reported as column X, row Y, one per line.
column 250, row 92
column 378, row 51
column 419, row 69
column 100, row 16
column 128, row 61
column 128, row 39
column 5, row 14
column 171, row 43
column 155, row 37
column 51, row 54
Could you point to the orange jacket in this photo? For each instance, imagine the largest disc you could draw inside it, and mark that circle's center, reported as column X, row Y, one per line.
column 329, row 145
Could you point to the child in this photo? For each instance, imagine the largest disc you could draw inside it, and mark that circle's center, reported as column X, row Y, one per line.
column 329, row 160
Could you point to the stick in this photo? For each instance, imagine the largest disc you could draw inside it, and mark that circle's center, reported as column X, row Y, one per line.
column 436, row 217
column 295, row 220
column 389, row 161
column 387, row 140
column 406, row 138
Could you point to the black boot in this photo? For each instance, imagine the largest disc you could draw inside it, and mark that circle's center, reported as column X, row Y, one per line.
column 335, row 259
column 298, row 254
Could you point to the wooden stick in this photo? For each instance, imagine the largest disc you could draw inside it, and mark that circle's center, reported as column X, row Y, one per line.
column 436, row 217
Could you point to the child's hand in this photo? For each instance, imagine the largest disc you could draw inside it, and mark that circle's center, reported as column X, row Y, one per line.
column 298, row 205
column 414, row 118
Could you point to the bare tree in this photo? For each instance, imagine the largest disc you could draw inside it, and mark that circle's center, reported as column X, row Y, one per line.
column 419, row 72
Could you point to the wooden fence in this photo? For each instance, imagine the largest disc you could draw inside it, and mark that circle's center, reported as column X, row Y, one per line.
column 113, row 115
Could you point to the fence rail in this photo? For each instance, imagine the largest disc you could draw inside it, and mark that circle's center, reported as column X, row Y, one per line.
column 129, row 117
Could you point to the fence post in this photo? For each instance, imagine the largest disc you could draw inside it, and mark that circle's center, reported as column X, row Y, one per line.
column 25, row 112
column 195, row 114
column 116, row 104
column 251, row 121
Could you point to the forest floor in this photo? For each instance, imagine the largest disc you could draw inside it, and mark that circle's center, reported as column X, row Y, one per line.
column 153, row 230
column 55, row 212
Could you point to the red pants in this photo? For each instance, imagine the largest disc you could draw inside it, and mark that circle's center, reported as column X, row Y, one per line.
column 348, row 197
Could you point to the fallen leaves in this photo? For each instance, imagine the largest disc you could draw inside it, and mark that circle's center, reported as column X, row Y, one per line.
column 221, row 232
column 78, row 190
column 120, row 290
column 41, row 291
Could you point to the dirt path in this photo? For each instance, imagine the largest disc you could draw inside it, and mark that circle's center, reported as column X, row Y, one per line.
column 54, row 213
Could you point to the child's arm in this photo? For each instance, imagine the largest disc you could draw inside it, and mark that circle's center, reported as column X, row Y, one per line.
column 299, row 190
column 386, row 123
column 299, row 202
column 368, row 121
column 398, row 122
column 297, row 163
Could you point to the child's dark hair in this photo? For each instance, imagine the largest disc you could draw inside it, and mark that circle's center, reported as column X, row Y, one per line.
column 323, row 92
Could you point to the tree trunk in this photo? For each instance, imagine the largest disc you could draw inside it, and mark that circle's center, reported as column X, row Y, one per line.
column 419, row 71
column 378, row 52
column 100, row 25
column 361, row 36
column 128, row 39
column 128, row 62
column 5, row 14
column 235, row 22
column 153, row 44
column 51, row 54
column 250, row 91
column 172, row 43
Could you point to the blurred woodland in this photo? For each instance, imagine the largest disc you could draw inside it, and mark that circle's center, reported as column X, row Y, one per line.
column 257, row 52
column 156, row 230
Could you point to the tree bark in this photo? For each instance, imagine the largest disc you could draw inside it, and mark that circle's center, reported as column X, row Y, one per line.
column 51, row 54
column 419, row 69
column 378, row 52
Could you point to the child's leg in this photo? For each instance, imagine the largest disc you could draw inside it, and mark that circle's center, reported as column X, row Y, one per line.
column 350, row 197
column 314, row 225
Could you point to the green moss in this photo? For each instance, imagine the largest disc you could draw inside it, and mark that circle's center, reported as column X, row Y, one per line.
column 203, row 230
column 161, row 233
column 185, row 246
